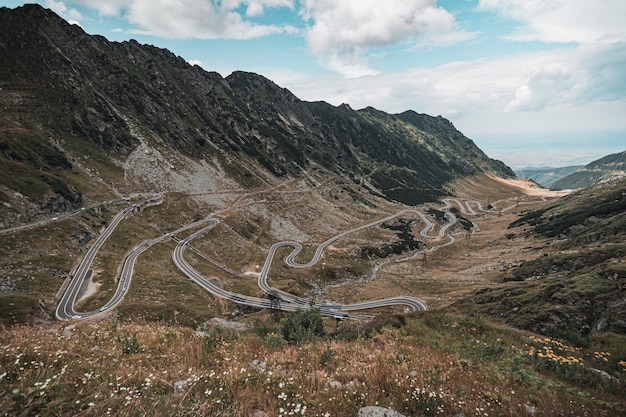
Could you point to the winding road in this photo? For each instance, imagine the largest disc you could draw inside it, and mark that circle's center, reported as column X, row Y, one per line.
column 277, row 299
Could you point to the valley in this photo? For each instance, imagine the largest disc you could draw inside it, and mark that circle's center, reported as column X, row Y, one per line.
column 175, row 242
column 344, row 271
column 166, row 354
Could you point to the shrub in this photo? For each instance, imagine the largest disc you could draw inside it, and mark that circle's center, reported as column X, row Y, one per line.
column 302, row 325
column 130, row 345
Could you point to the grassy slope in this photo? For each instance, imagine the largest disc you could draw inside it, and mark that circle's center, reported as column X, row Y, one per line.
column 575, row 288
column 426, row 364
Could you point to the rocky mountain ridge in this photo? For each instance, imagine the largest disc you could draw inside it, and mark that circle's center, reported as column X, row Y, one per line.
column 71, row 98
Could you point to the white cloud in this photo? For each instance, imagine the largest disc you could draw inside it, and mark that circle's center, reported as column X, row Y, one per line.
column 573, row 76
column 580, row 21
column 73, row 16
column 107, row 8
column 345, row 30
column 186, row 19
column 552, row 83
column 531, row 81
column 257, row 7
column 349, row 67
column 350, row 26
column 527, row 92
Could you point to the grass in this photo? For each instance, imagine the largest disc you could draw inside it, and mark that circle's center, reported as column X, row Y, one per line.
column 421, row 365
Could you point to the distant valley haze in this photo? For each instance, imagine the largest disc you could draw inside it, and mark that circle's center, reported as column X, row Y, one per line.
column 533, row 84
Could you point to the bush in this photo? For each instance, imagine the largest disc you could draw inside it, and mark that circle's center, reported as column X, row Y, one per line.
column 302, row 325
column 130, row 345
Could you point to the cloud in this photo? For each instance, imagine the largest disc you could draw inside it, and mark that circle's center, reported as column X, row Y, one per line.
column 349, row 67
column 346, row 30
column 552, row 83
column 350, row 26
column 73, row 16
column 494, row 88
column 573, row 77
column 107, row 8
column 257, row 7
column 188, row 19
column 563, row 21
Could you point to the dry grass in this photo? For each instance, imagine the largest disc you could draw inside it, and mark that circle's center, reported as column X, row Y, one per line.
column 435, row 364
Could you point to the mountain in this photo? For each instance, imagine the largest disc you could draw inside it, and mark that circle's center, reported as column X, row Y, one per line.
column 66, row 94
column 606, row 168
column 577, row 288
column 546, row 176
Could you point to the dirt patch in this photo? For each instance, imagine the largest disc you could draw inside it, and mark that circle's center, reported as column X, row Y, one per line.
column 530, row 188
column 90, row 289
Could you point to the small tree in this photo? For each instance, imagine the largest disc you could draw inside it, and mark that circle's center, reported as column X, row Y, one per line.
column 302, row 325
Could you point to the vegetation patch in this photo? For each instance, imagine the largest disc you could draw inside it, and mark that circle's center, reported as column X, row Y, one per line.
column 406, row 242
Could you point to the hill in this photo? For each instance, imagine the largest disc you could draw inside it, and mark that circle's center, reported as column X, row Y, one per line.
column 576, row 289
column 546, row 176
column 604, row 169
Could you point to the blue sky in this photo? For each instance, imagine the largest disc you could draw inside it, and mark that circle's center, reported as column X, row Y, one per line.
column 532, row 82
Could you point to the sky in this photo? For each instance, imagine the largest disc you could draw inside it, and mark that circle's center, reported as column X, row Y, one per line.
column 534, row 83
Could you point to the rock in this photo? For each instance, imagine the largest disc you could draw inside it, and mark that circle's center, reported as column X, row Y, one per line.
column 180, row 386
column 335, row 384
column 530, row 410
column 233, row 325
column 201, row 334
column 373, row 411
column 258, row 413
column 258, row 366
column 605, row 375
column 459, row 415
column 600, row 325
column 67, row 331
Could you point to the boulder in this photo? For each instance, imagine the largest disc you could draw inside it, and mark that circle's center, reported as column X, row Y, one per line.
column 373, row 411
column 219, row 322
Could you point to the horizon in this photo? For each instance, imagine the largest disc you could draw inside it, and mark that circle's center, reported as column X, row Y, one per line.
column 540, row 85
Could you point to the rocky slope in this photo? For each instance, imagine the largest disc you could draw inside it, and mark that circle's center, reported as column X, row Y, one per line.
column 73, row 102
column 604, row 169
